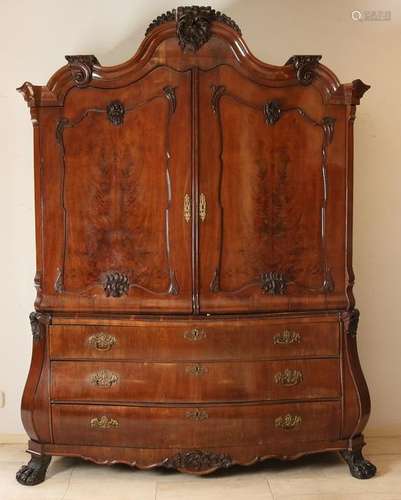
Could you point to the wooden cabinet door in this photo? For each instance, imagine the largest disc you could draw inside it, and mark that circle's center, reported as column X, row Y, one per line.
column 117, row 176
column 271, row 219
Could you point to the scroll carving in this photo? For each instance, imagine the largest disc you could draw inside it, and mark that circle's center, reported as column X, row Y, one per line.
column 81, row 67
column 273, row 283
column 116, row 284
column 198, row 460
column 169, row 92
column 304, row 67
column 115, row 112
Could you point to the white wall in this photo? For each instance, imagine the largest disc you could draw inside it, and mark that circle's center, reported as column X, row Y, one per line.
column 34, row 37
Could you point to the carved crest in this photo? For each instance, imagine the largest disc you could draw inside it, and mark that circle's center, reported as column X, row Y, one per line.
column 81, row 68
column 115, row 112
column 116, row 284
column 273, row 283
column 35, row 319
column 193, row 25
column 198, row 460
column 304, row 67
column 272, row 112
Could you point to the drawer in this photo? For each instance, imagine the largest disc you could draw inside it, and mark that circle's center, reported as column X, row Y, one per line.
column 195, row 427
column 194, row 382
column 174, row 340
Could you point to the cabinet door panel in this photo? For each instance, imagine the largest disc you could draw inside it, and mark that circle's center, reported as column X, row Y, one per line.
column 264, row 168
column 124, row 167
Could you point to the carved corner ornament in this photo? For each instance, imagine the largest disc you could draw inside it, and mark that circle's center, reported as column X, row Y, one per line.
column 359, row 88
column 38, row 320
column 350, row 321
column 273, row 283
column 304, row 67
column 193, row 25
column 198, row 460
column 81, row 67
column 27, row 90
column 116, row 284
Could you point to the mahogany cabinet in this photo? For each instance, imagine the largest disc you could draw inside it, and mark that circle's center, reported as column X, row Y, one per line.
column 194, row 240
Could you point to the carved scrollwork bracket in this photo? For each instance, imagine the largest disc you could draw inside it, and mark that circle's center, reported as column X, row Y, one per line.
column 38, row 321
column 198, row 460
column 81, row 67
column 350, row 321
column 304, row 67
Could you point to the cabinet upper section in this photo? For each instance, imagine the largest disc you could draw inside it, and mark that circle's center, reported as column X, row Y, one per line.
column 193, row 178
column 189, row 37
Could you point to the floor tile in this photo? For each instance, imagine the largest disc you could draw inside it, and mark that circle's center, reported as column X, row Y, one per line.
column 383, row 445
column 14, row 453
column 100, row 482
column 216, row 488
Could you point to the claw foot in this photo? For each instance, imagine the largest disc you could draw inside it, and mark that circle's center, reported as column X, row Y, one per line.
column 35, row 471
column 358, row 466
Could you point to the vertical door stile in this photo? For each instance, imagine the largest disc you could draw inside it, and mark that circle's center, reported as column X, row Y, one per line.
column 195, row 190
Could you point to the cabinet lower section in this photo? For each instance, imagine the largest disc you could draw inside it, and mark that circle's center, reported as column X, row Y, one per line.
column 195, row 394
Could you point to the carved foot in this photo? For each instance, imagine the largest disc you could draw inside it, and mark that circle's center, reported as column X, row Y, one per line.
column 358, row 466
column 35, row 471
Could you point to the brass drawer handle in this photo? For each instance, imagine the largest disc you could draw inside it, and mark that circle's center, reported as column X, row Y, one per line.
column 187, row 208
column 288, row 377
column 102, row 341
column 287, row 422
column 104, row 378
column 195, row 334
column 104, row 423
column 196, row 370
column 287, row 337
column 202, row 207
column 197, row 415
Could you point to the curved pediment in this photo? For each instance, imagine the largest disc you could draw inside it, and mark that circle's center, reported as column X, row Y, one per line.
column 192, row 37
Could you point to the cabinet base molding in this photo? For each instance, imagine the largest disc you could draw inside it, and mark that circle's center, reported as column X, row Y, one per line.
column 197, row 461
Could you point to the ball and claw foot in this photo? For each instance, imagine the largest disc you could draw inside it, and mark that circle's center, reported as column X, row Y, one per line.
column 35, row 471
column 358, row 466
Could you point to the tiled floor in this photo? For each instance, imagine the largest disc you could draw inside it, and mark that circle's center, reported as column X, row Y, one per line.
column 320, row 477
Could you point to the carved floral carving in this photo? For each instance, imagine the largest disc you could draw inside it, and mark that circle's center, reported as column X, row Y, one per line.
column 116, row 284
column 304, row 67
column 104, row 423
column 288, row 377
column 287, row 337
column 193, row 24
column 198, row 460
column 115, row 112
column 272, row 112
column 287, row 422
column 104, row 378
column 273, row 283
